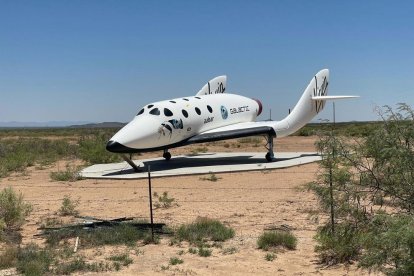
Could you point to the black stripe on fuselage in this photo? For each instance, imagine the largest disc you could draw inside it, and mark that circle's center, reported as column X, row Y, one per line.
column 208, row 137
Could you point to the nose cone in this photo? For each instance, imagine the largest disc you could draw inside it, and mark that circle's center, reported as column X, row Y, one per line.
column 116, row 147
column 139, row 134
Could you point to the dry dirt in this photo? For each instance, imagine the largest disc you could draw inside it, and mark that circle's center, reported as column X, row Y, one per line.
column 249, row 202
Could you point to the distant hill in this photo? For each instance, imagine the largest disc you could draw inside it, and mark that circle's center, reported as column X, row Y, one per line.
column 100, row 125
column 14, row 124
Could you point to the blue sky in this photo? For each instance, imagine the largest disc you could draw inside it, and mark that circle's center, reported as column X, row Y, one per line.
column 103, row 60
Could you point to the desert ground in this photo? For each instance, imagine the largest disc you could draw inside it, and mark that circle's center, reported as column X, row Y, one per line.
column 249, row 202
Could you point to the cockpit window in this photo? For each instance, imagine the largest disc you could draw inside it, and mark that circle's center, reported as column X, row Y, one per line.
column 209, row 109
column 198, row 111
column 198, row 98
column 149, row 106
column 155, row 111
column 167, row 112
column 140, row 112
column 185, row 113
column 172, row 102
column 185, row 99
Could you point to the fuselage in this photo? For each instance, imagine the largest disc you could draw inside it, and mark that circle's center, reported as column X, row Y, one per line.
column 167, row 123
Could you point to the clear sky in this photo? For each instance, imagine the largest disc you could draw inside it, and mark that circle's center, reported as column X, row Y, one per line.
column 102, row 60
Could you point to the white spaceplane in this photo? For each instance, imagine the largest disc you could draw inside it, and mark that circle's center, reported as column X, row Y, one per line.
column 212, row 115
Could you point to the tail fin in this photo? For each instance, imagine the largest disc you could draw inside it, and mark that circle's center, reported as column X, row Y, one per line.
column 214, row 86
column 310, row 104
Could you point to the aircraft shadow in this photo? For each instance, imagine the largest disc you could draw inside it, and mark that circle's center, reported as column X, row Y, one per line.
column 190, row 162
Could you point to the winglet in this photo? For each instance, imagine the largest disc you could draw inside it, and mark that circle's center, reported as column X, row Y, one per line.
column 214, row 86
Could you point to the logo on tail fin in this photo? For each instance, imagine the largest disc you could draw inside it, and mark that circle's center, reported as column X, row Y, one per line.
column 321, row 91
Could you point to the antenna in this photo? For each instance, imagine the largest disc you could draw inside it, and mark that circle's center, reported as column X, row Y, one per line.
column 270, row 115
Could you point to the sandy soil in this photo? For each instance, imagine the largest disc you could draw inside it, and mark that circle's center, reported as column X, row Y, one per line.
column 249, row 202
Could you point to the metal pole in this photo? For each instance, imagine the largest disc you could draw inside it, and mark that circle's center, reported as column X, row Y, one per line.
column 150, row 201
column 330, row 174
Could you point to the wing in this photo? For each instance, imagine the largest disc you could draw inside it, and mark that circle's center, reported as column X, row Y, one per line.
column 234, row 131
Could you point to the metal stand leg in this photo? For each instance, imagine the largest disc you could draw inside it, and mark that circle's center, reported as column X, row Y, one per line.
column 132, row 164
column 166, row 155
column 269, row 146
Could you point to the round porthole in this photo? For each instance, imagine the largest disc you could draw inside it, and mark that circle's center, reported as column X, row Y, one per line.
column 185, row 113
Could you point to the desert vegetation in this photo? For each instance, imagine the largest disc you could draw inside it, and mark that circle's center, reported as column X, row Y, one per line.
column 366, row 186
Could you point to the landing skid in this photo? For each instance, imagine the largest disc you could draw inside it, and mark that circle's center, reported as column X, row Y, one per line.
column 131, row 163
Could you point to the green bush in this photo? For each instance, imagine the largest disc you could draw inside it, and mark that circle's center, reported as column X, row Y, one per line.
column 270, row 257
column 13, row 210
column 92, row 149
column 70, row 174
column 33, row 260
column 204, row 252
column 211, row 177
column 389, row 245
column 18, row 154
column 68, row 207
column 164, row 201
column 204, row 229
column 8, row 257
column 175, row 261
column 122, row 259
column 341, row 246
column 273, row 239
column 120, row 234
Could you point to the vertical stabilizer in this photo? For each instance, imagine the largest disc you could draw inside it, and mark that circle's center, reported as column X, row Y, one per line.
column 309, row 105
column 214, row 86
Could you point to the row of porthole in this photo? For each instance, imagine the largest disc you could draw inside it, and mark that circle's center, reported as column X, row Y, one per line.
column 168, row 113
column 197, row 110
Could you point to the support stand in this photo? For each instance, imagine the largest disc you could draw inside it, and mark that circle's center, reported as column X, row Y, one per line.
column 131, row 163
column 270, row 156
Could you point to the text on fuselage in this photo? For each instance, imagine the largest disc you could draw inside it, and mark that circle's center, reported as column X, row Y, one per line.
column 239, row 109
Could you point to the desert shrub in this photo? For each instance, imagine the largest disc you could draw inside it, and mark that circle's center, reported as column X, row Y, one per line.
column 164, row 201
column 33, row 260
column 76, row 264
column 70, row 174
column 273, row 239
column 92, row 149
column 8, row 257
column 270, row 257
column 68, row 207
column 204, row 252
column 204, row 229
column 356, row 181
column 211, row 177
column 13, row 210
column 340, row 246
column 120, row 234
column 122, row 259
column 229, row 250
column 389, row 244
column 176, row 261
column 18, row 154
